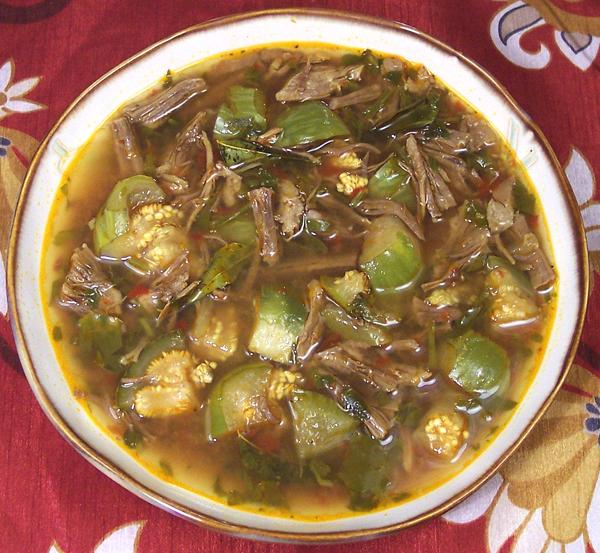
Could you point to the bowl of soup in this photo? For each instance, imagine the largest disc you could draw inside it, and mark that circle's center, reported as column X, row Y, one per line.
column 291, row 275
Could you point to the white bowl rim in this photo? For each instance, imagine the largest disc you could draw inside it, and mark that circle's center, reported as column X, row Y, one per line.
column 271, row 531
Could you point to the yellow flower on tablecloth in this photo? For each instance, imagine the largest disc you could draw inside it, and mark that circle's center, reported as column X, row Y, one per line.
column 576, row 35
column 548, row 494
column 565, row 19
column 16, row 151
column 557, row 469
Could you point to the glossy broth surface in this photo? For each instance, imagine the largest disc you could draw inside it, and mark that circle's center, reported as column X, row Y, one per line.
column 300, row 280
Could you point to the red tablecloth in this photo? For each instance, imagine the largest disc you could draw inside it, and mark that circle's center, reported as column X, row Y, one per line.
column 547, row 498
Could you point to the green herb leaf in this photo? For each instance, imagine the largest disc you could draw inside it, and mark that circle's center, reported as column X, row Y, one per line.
column 317, row 225
column 224, row 268
column 475, row 213
column 468, row 319
column 167, row 80
column 240, row 229
column 240, row 153
column 483, row 164
column 409, row 415
column 365, row 472
column 321, row 471
column 418, row 115
column 132, row 438
column 57, row 334
column 366, row 58
column 103, row 334
column 259, row 178
column 264, row 474
column 470, row 406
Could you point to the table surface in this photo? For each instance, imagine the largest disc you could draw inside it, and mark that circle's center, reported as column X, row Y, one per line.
column 545, row 499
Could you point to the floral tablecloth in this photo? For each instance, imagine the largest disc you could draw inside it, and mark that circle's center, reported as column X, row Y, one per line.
column 545, row 499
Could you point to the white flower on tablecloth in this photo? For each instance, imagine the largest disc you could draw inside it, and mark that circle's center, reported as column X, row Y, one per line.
column 123, row 539
column 12, row 98
column 581, row 178
column 517, row 19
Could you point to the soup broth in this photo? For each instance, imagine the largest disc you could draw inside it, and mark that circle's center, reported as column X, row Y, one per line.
column 299, row 279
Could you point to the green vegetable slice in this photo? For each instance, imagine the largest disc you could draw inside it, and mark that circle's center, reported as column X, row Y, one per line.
column 244, row 113
column 390, row 256
column 391, row 181
column 308, row 122
column 113, row 218
column 168, row 342
column 317, row 225
column 524, row 200
column 517, row 277
column 349, row 328
column 239, row 400
column 279, row 323
column 344, row 290
column 512, row 297
column 479, row 365
column 319, row 424
column 475, row 213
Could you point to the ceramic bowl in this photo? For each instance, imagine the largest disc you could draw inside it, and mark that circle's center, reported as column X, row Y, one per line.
column 138, row 73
